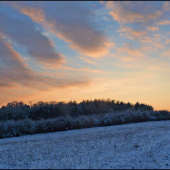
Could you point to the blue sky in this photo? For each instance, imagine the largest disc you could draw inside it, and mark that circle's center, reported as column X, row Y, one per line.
column 85, row 50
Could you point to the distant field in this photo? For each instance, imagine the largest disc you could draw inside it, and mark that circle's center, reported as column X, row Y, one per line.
column 135, row 145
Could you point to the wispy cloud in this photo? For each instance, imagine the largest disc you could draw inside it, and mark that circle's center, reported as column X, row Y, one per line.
column 164, row 22
column 152, row 44
column 139, row 21
column 127, row 49
column 152, row 28
column 167, row 41
column 77, row 69
column 166, row 53
column 87, row 60
column 88, row 70
column 146, row 40
column 131, row 33
column 166, row 6
column 106, row 19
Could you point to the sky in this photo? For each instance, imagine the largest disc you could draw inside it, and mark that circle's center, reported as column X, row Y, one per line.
column 62, row 51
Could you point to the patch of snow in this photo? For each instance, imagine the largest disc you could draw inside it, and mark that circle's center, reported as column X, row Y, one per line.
column 135, row 145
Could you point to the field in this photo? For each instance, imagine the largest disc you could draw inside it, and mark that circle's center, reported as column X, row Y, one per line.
column 136, row 145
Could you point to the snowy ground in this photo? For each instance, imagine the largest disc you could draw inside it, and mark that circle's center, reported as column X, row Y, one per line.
column 136, row 145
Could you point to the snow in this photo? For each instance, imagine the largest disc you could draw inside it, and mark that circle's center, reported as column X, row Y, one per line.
column 135, row 145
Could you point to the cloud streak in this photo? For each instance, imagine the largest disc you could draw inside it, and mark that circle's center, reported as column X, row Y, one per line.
column 71, row 22
column 24, row 33
column 77, row 69
column 88, row 61
column 14, row 72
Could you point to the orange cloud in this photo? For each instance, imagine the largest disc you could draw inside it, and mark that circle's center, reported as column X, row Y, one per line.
column 146, row 40
column 86, row 70
column 165, row 22
column 124, row 13
column 161, row 66
column 132, row 34
column 155, row 43
column 88, row 61
column 158, row 45
column 128, row 58
column 166, row 6
column 152, row 28
column 37, row 15
column 127, row 49
column 167, row 41
column 167, row 53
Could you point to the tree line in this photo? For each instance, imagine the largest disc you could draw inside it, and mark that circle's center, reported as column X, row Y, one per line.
column 45, row 110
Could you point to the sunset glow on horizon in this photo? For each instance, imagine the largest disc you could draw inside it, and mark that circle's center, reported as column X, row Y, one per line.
column 62, row 51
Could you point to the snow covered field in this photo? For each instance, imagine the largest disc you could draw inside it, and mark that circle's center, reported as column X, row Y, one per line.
column 135, row 145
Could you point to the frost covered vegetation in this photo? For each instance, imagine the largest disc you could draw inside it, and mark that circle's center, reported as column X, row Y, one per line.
column 142, row 145
column 18, row 118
